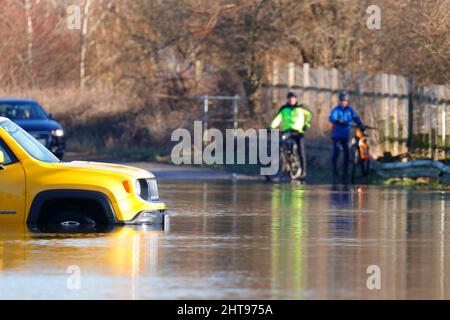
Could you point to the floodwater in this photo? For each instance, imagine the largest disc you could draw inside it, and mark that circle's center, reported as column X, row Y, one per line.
column 246, row 241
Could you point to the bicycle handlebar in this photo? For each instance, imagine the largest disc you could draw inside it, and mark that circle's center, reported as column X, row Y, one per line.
column 365, row 127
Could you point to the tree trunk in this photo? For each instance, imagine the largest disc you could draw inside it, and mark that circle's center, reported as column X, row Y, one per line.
column 251, row 105
column 83, row 43
column 27, row 7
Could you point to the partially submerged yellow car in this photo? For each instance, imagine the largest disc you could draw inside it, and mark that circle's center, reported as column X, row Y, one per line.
column 36, row 188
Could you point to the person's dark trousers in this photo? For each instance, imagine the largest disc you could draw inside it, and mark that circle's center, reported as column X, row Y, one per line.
column 344, row 143
column 301, row 151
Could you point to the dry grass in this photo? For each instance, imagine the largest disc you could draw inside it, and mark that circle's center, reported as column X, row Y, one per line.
column 100, row 119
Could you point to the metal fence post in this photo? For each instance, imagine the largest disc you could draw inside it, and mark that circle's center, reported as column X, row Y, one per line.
column 235, row 113
column 410, row 114
column 441, row 96
column 205, row 118
column 443, row 133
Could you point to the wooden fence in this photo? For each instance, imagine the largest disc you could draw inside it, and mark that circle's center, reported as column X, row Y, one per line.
column 409, row 118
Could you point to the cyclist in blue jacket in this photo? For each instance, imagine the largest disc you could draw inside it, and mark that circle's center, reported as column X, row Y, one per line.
column 341, row 118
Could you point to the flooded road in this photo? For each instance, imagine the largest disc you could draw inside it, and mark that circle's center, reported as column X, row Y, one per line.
column 246, row 241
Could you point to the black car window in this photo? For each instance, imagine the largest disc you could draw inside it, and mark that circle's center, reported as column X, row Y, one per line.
column 22, row 111
column 9, row 156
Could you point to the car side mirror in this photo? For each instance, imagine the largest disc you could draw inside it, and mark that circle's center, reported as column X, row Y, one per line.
column 51, row 116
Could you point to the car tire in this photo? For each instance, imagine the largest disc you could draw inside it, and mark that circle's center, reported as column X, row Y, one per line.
column 72, row 219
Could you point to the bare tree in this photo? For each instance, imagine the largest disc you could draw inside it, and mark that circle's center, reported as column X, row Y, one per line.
column 83, row 42
column 181, row 47
column 247, row 34
column 27, row 7
column 416, row 40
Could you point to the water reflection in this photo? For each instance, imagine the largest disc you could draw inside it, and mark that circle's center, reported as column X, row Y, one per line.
column 119, row 252
column 340, row 207
column 246, row 241
column 289, row 203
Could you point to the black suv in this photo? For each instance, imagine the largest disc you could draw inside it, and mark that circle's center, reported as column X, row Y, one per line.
column 29, row 115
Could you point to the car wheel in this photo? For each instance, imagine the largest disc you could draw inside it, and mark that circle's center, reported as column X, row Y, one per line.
column 72, row 220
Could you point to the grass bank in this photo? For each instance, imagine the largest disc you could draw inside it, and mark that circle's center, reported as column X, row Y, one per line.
column 104, row 120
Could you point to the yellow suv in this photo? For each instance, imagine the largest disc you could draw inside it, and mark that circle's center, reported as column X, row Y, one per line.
column 36, row 188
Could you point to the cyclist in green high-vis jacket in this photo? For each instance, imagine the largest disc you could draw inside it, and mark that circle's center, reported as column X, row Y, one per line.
column 295, row 118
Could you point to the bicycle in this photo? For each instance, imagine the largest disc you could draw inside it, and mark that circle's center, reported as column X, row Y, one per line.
column 290, row 163
column 360, row 152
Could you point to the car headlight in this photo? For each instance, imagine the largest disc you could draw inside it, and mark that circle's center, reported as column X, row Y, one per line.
column 58, row 133
column 153, row 188
column 147, row 189
column 137, row 187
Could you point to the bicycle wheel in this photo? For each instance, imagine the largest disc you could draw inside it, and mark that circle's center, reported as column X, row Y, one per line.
column 282, row 163
column 355, row 160
column 296, row 169
column 366, row 167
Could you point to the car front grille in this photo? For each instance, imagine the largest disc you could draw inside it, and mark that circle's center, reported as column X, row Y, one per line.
column 149, row 189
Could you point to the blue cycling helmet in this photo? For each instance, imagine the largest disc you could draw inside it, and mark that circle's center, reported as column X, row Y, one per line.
column 344, row 96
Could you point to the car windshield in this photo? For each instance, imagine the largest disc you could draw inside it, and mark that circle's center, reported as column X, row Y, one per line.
column 22, row 111
column 28, row 143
